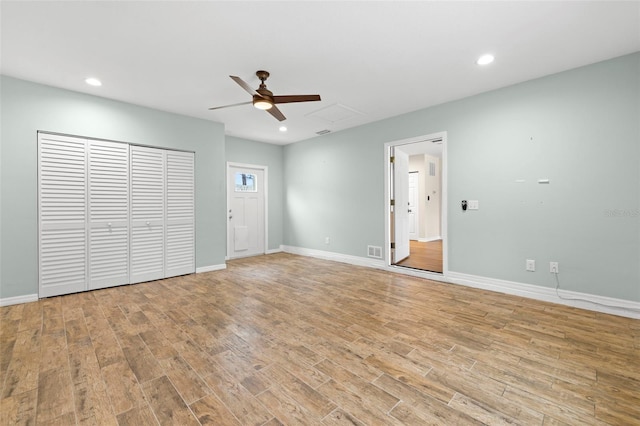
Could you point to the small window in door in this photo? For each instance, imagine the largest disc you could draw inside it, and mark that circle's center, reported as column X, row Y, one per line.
column 246, row 182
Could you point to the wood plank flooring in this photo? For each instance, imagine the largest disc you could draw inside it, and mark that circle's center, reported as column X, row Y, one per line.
column 426, row 256
column 284, row 339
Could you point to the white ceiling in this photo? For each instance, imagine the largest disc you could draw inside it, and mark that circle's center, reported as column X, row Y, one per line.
column 368, row 60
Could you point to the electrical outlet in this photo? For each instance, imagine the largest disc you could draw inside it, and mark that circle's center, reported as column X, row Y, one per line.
column 531, row 265
column 553, row 267
column 327, row 240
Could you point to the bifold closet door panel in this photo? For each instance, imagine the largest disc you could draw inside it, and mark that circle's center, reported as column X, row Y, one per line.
column 108, row 214
column 147, row 213
column 62, row 201
column 180, row 214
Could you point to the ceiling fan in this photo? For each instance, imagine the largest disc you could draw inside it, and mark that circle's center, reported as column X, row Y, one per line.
column 264, row 98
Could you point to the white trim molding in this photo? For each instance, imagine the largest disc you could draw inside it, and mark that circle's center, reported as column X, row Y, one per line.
column 427, row 240
column 6, row 301
column 338, row 257
column 272, row 251
column 590, row 302
column 265, row 170
column 443, row 201
column 429, row 275
column 211, row 268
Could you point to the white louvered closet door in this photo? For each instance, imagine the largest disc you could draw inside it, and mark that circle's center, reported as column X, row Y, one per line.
column 180, row 214
column 147, row 213
column 62, row 200
column 108, row 214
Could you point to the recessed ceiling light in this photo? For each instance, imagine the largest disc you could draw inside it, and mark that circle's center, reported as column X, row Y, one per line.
column 92, row 81
column 283, row 128
column 485, row 59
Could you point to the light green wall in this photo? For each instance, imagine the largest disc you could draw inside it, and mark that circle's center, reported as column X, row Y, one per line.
column 250, row 152
column 580, row 129
column 28, row 108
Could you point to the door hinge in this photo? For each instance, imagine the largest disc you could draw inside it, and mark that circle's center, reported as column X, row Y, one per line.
column 392, row 159
column 393, row 245
column 393, row 202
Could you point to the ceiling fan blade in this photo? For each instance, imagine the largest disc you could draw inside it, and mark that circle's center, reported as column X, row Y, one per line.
column 295, row 98
column 276, row 113
column 232, row 105
column 244, row 85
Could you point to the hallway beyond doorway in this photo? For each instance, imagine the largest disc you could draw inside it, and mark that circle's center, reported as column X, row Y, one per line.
column 426, row 256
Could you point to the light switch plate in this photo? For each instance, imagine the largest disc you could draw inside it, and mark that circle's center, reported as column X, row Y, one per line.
column 473, row 205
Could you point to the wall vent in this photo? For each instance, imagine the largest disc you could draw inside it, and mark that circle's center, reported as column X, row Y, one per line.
column 374, row 251
column 432, row 169
column 323, row 132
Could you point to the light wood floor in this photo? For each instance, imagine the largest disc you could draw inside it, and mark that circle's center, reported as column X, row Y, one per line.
column 424, row 255
column 283, row 339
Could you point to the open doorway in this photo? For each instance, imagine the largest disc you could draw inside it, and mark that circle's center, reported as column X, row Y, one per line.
column 415, row 193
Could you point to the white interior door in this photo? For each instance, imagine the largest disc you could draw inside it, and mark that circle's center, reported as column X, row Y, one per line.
column 108, row 184
column 246, row 188
column 147, row 213
column 414, row 225
column 62, row 201
column 401, row 205
column 180, row 217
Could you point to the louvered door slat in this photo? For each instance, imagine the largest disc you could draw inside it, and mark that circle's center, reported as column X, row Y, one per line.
column 62, row 213
column 180, row 223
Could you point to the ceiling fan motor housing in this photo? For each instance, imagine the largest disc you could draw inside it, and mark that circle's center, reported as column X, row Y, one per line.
column 262, row 75
column 264, row 98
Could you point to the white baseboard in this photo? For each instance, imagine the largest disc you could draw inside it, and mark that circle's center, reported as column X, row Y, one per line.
column 6, row 301
column 272, row 251
column 211, row 268
column 338, row 257
column 591, row 302
column 426, row 240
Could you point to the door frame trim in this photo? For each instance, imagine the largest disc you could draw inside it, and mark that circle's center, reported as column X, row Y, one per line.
column 265, row 170
column 443, row 204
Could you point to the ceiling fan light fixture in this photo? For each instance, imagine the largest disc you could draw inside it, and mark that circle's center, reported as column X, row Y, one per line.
column 262, row 103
